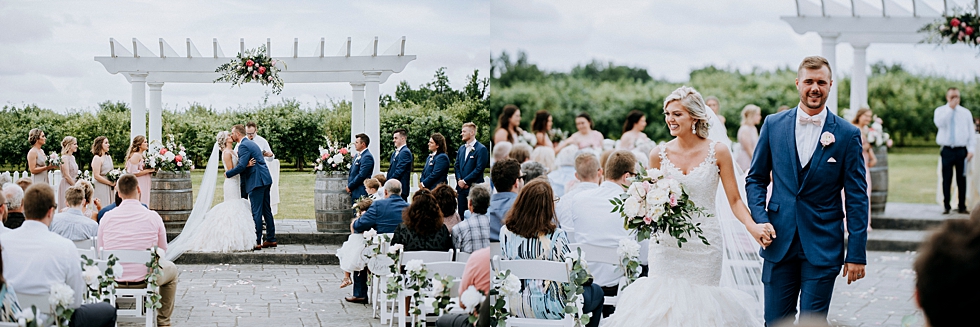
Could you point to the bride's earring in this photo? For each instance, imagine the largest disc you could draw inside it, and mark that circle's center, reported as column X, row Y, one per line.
column 694, row 128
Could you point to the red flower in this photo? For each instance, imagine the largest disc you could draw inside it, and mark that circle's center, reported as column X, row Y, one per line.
column 262, row 69
column 953, row 22
column 343, row 151
column 178, row 158
column 249, row 63
column 968, row 30
column 163, row 151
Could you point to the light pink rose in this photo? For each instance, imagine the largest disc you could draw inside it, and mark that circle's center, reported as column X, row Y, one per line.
column 673, row 200
column 647, row 220
column 826, row 139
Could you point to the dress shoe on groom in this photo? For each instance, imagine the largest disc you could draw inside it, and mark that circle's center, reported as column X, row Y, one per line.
column 269, row 244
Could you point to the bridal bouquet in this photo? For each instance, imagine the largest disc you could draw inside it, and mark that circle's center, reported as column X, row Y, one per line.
column 657, row 204
column 54, row 159
column 958, row 28
column 113, row 175
column 252, row 66
column 167, row 157
column 877, row 135
column 333, row 158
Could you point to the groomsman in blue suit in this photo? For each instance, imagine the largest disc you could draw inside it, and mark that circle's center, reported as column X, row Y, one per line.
column 383, row 216
column 471, row 160
column 401, row 162
column 361, row 169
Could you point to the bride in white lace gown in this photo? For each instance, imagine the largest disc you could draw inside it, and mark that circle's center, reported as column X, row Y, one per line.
column 684, row 283
column 228, row 226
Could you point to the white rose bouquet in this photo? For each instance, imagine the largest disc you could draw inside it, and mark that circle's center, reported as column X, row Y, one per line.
column 54, row 159
column 657, row 204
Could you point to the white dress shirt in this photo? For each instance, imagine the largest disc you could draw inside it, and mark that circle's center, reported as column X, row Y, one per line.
column 808, row 135
column 263, row 145
column 563, row 210
column 469, row 147
column 34, row 258
column 596, row 224
column 962, row 127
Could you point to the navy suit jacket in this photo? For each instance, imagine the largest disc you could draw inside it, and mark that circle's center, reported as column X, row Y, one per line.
column 470, row 168
column 383, row 215
column 810, row 206
column 401, row 169
column 255, row 176
column 360, row 170
column 436, row 170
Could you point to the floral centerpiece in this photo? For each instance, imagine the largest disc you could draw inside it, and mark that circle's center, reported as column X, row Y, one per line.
column 877, row 135
column 169, row 156
column 334, row 158
column 658, row 204
column 54, row 159
column 958, row 28
column 252, row 66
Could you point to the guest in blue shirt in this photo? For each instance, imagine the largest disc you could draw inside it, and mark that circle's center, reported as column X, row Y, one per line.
column 384, row 216
column 507, row 178
column 401, row 162
column 471, row 160
column 436, row 164
column 71, row 223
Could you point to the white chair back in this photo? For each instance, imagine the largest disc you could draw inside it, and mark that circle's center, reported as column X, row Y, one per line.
column 445, row 268
column 88, row 253
column 40, row 301
column 426, row 256
column 462, row 256
column 495, row 249
column 594, row 253
column 535, row 269
column 84, row 244
column 128, row 256
column 139, row 313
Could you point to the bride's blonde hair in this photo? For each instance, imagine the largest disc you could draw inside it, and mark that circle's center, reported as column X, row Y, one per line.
column 691, row 100
column 221, row 138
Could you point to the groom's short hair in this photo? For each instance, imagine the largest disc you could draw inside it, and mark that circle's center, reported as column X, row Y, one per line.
column 814, row 62
column 618, row 164
column 127, row 185
column 238, row 128
column 946, row 273
column 364, row 138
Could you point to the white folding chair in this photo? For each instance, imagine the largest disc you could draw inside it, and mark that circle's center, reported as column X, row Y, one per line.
column 140, row 312
column 84, row 244
column 537, row 269
column 495, row 249
column 462, row 256
column 379, row 282
column 602, row 254
column 406, row 256
column 88, row 253
column 453, row 269
column 39, row 301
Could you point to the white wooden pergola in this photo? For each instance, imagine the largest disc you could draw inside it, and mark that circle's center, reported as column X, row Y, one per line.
column 364, row 71
column 860, row 23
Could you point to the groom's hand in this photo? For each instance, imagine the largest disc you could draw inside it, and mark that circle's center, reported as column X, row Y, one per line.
column 853, row 271
column 762, row 233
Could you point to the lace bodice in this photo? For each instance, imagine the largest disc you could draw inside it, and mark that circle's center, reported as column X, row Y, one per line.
column 232, row 187
column 696, row 262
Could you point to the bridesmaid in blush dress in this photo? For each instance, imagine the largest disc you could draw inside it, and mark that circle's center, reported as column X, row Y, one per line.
column 101, row 165
column 37, row 161
column 134, row 165
column 69, row 168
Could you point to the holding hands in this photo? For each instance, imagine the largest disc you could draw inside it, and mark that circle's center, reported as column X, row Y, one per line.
column 762, row 233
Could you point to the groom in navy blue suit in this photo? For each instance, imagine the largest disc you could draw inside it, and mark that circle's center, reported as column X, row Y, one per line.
column 819, row 154
column 361, row 169
column 256, row 181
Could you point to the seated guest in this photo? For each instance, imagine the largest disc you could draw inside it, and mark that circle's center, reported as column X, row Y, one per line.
column 92, row 204
column 9, row 306
column 565, row 173
column 507, row 179
column 532, row 170
column 946, row 273
column 36, row 258
column 15, row 212
column 595, row 221
column 501, row 151
column 71, row 223
column 589, row 174
column 384, row 216
column 545, row 156
column 24, row 183
column 446, row 198
column 474, row 233
column 110, row 207
column 422, row 228
column 372, row 186
column 3, row 213
column 131, row 226
column 476, row 274
column 520, row 152
column 530, row 233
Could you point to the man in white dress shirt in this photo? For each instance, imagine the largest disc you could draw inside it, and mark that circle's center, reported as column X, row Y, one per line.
column 595, row 221
column 589, row 175
column 35, row 258
column 251, row 131
column 956, row 136
column 3, row 213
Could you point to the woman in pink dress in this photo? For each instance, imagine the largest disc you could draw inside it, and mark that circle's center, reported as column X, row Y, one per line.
column 542, row 129
column 37, row 161
column 69, row 168
column 585, row 138
column 134, row 165
column 748, row 136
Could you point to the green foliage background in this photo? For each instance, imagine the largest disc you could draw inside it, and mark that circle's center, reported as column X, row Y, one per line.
column 905, row 101
column 294, row 130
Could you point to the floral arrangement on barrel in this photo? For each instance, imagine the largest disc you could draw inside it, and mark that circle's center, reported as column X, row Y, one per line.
column 167, row 157
column 877, row 135
column 958, row 28
column 333, row 158
column 657, row 204
column 254, row 65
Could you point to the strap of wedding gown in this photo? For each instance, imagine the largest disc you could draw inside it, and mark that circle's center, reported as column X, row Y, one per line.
column 205, row 196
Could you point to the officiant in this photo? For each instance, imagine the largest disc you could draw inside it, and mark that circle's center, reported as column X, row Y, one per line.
column 270, row 160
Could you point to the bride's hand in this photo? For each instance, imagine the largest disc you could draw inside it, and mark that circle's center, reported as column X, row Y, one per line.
column 251, row 162
column 761, row 233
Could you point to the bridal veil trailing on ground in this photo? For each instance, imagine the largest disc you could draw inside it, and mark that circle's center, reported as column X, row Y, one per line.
column 205, row 196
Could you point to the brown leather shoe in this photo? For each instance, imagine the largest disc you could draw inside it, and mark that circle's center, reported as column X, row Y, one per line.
column 257, row 247
column 269, row 244
column 361, row 300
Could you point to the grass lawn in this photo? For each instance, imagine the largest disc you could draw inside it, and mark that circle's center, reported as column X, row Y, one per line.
column 295, row 192
column 912, row 174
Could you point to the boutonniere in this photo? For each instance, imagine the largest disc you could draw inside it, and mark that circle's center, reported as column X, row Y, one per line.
column 826, row 139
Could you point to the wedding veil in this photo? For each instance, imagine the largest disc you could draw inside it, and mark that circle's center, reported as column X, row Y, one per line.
column 205, row 196
column 741, row 263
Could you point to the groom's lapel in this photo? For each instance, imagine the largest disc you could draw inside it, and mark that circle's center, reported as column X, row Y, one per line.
column 789, row 143
column 818, row 154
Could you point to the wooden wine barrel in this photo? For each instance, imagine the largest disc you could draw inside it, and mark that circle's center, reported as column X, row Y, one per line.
column 879, row 181
column 332, row 203
column 172, row 197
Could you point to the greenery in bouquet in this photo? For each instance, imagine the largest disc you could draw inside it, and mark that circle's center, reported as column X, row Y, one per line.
column 656, row 204
column 86, row 176
column 557, row 135
column 113, row 175
column 957, row 28
column 526, row 138
column 169, row 156
column 252, row 66
column 54, row 159
column 877, row 135
column 334, row 158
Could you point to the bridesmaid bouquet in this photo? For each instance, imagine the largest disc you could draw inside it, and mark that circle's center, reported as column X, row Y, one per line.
column 333, row 158
column 85, row 176
column 54, row 159
column 657, row 204
column 113, row 175
column 167, row 157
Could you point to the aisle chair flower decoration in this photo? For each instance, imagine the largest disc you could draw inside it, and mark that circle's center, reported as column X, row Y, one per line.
column 254, row 65
column 656, row 204
column 101, row 284
column 169, row 156
column 61, row 299
column 629, row 256
column 153, row 276
column 441, row 289
column 574, row 289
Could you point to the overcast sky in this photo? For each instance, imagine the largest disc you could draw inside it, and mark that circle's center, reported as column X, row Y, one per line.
column 47, row 47
column 670, row 38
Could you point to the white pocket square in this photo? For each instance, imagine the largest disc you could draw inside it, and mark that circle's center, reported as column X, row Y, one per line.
column 831, row 159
